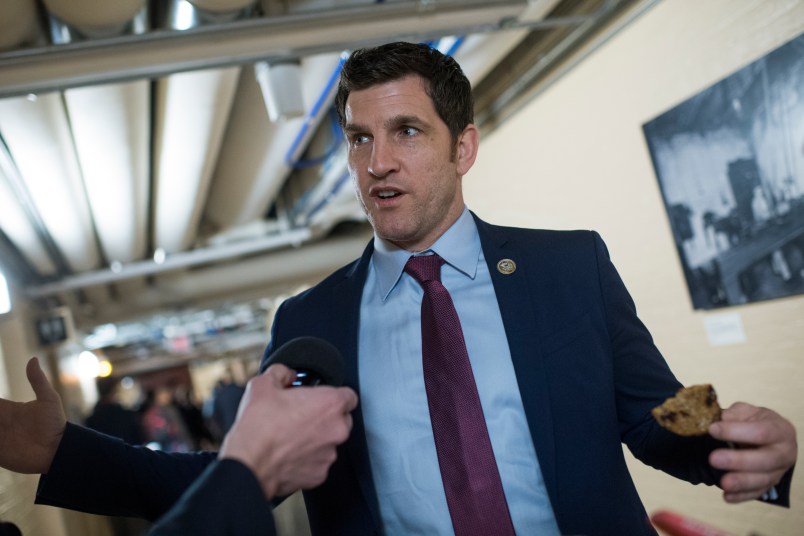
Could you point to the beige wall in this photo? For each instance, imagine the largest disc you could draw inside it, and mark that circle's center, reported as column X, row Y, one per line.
column 575, row 157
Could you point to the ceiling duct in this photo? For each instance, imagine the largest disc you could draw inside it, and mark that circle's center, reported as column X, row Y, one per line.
column 187, row 14
column 225, row 10
column 296, row 35
column 192, row 111
column 19, row 24
column 17, row 217
column 72, row 20
column 111, row 131
column 39, row 140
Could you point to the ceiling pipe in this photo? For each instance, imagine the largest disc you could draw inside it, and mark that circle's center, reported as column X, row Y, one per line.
column 19, row 24
column 193, row 109
column 112, row 139
column 225, row 10
column 40, row 142
column 173, row 262
column 188, row 14
column 72, row 20
column 322, row 103
column 253, row 277
column 248, row 41
column 20, row 221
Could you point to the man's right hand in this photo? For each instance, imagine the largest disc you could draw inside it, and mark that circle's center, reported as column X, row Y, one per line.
column 30, row 432
column 288, row 436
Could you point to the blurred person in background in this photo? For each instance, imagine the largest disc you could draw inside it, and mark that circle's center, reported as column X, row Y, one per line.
column 221, row 408
column 190, row 411
column 163, row 423
column 111, row 417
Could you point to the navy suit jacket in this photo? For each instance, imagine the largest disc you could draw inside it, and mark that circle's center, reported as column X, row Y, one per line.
column 587, row 370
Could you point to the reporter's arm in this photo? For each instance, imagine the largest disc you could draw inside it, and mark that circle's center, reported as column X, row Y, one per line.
column 86, row 470
column 99, row 474
column 227, row 500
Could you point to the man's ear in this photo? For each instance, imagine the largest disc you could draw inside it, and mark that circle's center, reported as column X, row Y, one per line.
column 466, row 150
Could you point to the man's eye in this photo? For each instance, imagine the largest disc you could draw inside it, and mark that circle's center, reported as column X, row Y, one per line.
column 409, row 131
column 359, row 139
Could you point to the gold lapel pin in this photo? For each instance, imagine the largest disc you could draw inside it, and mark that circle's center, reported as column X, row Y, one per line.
column 506, row 266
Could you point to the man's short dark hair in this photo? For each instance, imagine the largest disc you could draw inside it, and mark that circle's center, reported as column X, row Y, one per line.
column 444, row 80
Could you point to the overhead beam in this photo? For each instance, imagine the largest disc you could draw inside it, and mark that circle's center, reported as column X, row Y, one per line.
column 185, row 259
column 160, row 53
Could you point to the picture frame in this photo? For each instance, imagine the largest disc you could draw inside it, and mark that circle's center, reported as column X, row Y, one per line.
column 730, row 165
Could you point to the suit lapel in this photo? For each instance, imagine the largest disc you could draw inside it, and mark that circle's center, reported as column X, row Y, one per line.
column 516, row 307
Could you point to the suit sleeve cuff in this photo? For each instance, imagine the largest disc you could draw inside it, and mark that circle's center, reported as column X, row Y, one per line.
column 780, row 493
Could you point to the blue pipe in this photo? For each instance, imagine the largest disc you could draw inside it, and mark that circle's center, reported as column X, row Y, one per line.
column 455, row 46
column 290, row 156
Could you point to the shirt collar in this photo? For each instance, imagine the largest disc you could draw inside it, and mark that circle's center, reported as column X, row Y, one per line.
column 459, row 246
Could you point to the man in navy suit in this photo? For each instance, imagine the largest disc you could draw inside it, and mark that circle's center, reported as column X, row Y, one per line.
column 565, row 371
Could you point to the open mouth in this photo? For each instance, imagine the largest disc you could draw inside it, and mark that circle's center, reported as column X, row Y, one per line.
column 387, row 194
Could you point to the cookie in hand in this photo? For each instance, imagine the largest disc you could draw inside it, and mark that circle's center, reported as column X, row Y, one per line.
column 690, row 412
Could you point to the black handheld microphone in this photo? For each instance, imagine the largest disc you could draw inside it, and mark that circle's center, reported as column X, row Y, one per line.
column 316, row 361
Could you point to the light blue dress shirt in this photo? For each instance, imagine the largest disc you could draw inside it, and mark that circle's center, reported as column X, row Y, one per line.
column 394, row 402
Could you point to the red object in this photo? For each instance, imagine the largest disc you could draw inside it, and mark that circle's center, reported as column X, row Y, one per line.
column 674, row 524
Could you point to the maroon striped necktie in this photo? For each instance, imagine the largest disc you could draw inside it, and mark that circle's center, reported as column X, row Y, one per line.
column 469, row 472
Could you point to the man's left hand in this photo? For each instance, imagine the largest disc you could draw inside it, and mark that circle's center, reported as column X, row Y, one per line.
column 766, row 449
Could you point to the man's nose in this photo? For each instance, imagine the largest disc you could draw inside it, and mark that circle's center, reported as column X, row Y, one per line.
column 383, row 160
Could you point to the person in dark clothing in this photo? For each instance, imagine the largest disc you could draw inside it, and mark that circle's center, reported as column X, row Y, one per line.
column 110, row 417
column 193, row 418
column 225, row 401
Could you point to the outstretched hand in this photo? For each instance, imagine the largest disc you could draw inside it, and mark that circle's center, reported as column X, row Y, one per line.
column 288, row 435
column 31, row 431
column 767, row 448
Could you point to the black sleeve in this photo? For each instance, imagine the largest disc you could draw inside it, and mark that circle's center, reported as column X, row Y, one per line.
column 227, row 500
column 100, row 474
column 781, row 497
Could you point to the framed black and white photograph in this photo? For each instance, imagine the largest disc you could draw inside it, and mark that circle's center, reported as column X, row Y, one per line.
column 730, row 165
